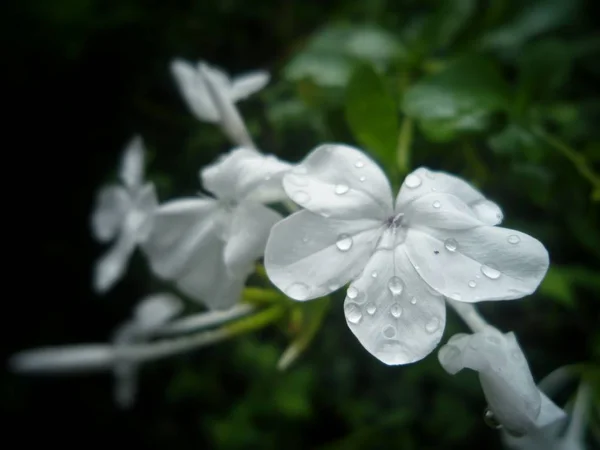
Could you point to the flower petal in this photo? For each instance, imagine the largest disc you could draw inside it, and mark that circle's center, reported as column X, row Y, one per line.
column 392, row 312
column 156, row 310
column 423, row 181
column 250, row 227
column 132, row 164
column 245, row 85
column 194, row 92
column 308, row 256
column 245, row 174
column 440, row 211
column 76, row 358
column 482, row 263
column 141, row 218
column 341, row 182
column 112, row 203
column 504, row 374
column 111, row 267
column 211, row 284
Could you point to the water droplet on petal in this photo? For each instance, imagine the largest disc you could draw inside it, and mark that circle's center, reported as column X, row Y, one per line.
column 352, row 312
column 455, row 296
column 413, row 301
column 490, row 271
column 298, row 291
column 451, row 244
column 389, row 332
column 472, row 284
column 437, row 204
column 395, row 286
column 430, row 175
column 344, row 242
column 300, row 197
column 371, row 308
column 433, row 325
column 490, row 419
column 341, row 189
column 363, row 178
column 359, row 164
column 352, row 292
column 333, row 286
column 412, row 181
column 374, row 274
column 513, row 239
column 396, row 310
column 304, row 239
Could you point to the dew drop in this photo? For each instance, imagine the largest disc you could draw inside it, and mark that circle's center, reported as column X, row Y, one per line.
column 413, row 301
column 352, row 292
column 362, row 179
column 371, row 308
column 490, row 272
column 352, row 312
column 359, row 164
column 341, row 189
column 344, row 242
column 412, row 181
column 395, row 286
column 437, row 204
column 490, row 419
column 433, row 325
column 472, row 284
column 455, row 296
column 300, row 197
column 298, row 291
column 333, row 286
column 430, row 175
column 373, row 274
column 513, row 239
column 396, row 310
column 389, row 332
column 305, row 239
column 451, row 244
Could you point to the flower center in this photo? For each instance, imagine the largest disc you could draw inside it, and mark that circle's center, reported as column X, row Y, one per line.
column 395, row 221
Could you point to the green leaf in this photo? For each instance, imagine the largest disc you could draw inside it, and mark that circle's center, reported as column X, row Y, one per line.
column 560, row 283
column 459, row 99
column 372, row 114
column 449, row 19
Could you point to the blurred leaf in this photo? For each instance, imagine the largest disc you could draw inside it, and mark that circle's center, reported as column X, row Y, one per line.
column 517, row 142
column 372, row 114
column 560, row 283
column 459, row 99
column 448, row 20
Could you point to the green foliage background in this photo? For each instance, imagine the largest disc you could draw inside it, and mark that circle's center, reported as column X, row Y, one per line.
column 503, row 93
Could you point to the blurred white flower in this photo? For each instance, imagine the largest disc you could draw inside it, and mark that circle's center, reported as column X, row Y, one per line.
column 514, row 401
column 211, row 95
column 149, row 316
column 123, row 213
column 207, row 245
column 437, row 240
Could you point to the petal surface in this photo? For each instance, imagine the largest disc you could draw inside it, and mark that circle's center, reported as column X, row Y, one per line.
column 308, row 256
column 111, row 267
column 392, row 312
column 194, row 91
column 477, row 264
column 112, row 202
column 423, row 181
column 250, row 227
column 245, row 85
column 156, row 310
column 141, row 218
column 340, row 182
column 132, row 164
column 439, row 211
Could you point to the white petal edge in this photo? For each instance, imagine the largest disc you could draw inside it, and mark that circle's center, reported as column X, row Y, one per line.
column 112, row 203
column 194, row 92
column 245, row 85
column 156, row 310
column 111, row 266
column 132, row 163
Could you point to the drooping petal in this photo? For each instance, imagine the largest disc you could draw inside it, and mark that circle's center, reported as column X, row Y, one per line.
column 229, row 117
column 156, row 310
column 132, row 165
column 506, row 380
column 423, row 181
column 477, row 264
column 112, row 203
column 194, row 92
column 308, row 256
column 111, row 267
column 212, row 285
column 341, row 182
column 181, row 228
column 244, row 174
column 392, row 312
column 245, row 85
column 250, row 227
column 141, row 218
column 72, row 359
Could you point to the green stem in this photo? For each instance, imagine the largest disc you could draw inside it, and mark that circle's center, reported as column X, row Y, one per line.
column 403, row 149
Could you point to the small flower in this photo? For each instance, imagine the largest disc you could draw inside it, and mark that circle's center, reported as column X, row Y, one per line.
column 514, row 400
column 437, row 240
column 211, row 95
column 123, row 213
column 208, row 245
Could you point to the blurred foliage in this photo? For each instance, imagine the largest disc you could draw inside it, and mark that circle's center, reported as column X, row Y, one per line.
column 503, row 93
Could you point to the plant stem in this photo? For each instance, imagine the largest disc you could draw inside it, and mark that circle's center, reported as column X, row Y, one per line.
column 469, row 315
column 403, row 148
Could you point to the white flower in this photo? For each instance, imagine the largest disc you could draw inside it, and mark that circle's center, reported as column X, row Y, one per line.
column 211, row 95
column 149, row 316
column 513, row 399
column 436, row 240
column 208, row 245
column 123, row 213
